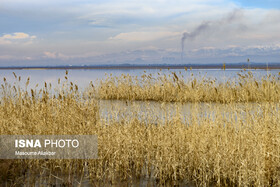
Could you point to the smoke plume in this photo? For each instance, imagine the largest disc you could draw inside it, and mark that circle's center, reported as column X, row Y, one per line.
column 207, row 26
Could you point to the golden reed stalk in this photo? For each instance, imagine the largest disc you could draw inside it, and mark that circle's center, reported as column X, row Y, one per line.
column 239, row 148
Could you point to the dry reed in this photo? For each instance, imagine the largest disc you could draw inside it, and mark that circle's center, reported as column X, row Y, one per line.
column 241, row 148
column 173, row 87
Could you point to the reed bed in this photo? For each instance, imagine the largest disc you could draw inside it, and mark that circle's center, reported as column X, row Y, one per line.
column 241, row 148
column 177, row 88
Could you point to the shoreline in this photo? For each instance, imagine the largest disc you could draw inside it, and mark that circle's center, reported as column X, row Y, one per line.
column 264, row 67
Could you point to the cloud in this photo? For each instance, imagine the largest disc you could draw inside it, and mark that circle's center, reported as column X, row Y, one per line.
column 16, row 58
column 16, row 38
column 4, row 42
column 55, row 55
column 125, row 13
column 101, row 31
column 209, row 54
column 144, row 36
column 18, row 35
column 5, row 57
column 258, row 53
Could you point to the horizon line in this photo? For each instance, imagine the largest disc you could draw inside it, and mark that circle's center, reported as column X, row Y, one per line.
column 241, row 65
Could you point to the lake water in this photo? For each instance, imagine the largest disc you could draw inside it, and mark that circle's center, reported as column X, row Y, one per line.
column 83, row 77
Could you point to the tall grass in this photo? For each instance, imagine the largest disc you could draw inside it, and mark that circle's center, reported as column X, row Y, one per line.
column 241, row 148
column 175, row 87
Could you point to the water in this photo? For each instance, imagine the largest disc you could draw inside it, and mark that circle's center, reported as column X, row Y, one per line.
column 83, row 77
column 153, row 112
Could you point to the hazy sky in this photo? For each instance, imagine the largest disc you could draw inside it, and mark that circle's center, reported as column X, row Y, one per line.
column 52, row 32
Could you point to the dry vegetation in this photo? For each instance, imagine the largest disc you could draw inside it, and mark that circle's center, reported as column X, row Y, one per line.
column 174, row 87
column 241, row 148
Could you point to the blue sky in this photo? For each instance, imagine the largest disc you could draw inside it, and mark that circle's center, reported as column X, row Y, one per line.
column 50, row 32
column 259, row 3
